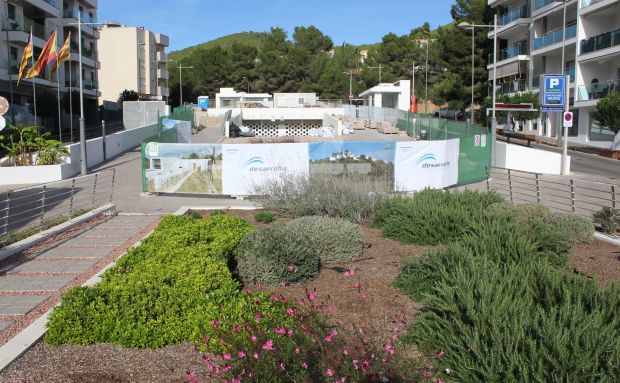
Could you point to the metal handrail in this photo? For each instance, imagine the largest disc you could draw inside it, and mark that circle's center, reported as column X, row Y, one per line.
column 558, row 193
column 36, row 208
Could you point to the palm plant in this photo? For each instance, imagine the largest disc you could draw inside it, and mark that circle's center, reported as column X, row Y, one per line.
column 27, row 146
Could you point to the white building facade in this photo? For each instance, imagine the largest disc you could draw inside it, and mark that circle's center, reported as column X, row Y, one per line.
column 533, row 36
column 395, row 96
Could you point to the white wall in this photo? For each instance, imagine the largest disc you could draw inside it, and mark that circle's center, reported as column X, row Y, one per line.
column 518, row 157
column 142, row 113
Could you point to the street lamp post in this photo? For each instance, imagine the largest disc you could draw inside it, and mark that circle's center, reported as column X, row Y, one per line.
column 380, row 67
column 425, row 41
column 181, row 67
column 83, row 159
column 466, row 25
column 350, row 73
column 248, row 81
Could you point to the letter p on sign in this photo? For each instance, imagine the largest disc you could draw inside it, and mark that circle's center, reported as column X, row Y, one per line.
column 568, row 120
column 554, row 83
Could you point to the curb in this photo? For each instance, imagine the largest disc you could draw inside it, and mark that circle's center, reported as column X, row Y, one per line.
column 23, row 341
column 15, row 248
column 606, row 238
column 184, row 209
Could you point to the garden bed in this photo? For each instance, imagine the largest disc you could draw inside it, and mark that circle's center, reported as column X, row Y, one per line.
column 357, row 292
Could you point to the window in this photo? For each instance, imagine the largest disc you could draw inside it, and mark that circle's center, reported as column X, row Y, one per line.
column 11, row 9
column 13, row 54
column 302, row 101
column 156, row 163
column 598, row 133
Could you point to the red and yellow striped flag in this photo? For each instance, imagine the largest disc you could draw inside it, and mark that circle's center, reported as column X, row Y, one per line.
column 62, row 56
column 44, row 57
column 25, row 57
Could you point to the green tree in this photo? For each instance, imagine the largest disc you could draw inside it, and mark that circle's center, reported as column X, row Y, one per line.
column 126, row 95
column 607, row 112
column 522, row 98
column 312, row 40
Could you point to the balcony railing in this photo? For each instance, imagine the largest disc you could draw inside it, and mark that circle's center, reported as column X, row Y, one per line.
column 541, row 3
column 555, row 37
column 510, row 52
column 86, row 51
column 602, row 41
column 87, row 83
column 587, row 3
column 24, row 24
column 72, row 13
column 597, row 90
column 509, row 87
column 513, row 15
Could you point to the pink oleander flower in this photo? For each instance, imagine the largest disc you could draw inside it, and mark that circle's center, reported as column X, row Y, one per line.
column 215, row 324
column 389, row 348
column 301, row 302
column 282, row 367
column 268, row 345
column 349, row 273
column 440, row 353
column 289, row 333
column 304, row 365
column 365, row 365
column 281, row 331
column 345, row 351
column 291, row 311
column 256, row 355
column 297, row 350
column 241, row 355
column 226, row 356
column 253, row 339
column 426, row 374
column 358, row 285
column 291, row 267
column 329, row 372
column 356, row 364
column 313, row 295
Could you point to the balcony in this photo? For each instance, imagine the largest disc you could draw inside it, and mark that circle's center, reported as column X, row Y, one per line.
column 597, row 90
column 72, row 13
column 86, row 50
column 600, row 42
column 514, row 15
column 509, row 87
column 510, row 52
column 541, row 3
column 554, row 37
column 587, row 3
column 50, row 7
column 162, row 57
column 87, row 84
column 162, row 91
column 162, row 39
column 163, row 74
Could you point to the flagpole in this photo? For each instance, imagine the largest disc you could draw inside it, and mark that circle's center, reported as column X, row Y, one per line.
column 34, row 87
column 70, row 96
column 58, row 92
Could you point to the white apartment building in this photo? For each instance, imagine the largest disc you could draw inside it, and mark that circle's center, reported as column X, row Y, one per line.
column 530, row 43
column 18, row 18
column 133, row 58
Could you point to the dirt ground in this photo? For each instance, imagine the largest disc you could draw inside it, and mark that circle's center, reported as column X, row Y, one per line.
column 381, row 309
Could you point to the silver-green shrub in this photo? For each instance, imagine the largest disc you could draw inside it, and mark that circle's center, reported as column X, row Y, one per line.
column 334, row 239
column 276, row 254
column 523, row 212
column 575, row 228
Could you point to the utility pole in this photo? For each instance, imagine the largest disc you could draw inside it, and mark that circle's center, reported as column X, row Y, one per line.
column 377, row 67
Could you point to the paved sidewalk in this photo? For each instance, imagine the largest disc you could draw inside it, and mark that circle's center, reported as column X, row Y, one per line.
column 27, row 283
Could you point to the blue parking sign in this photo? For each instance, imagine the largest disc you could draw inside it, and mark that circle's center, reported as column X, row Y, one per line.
column 553, row 93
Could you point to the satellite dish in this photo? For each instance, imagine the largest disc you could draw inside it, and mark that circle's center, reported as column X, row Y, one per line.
column 4, row 106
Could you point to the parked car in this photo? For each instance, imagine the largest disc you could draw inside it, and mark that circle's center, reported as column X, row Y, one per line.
column 452, row 114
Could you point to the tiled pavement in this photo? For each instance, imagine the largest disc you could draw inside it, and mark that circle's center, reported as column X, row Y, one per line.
column 26, row 284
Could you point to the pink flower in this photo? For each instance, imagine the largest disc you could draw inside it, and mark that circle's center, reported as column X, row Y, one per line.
column 301, row 302
column 253, row 339
column 361, row 297
column 313, row 295
column 389, row 348
column 275, row 298
column 289, row 333
column 291, row 311
column 331, row 335
column 281, row 330
column 304, row 365
column 268, row 345
column 283, row 284
column 297, row 350
column 256, row 355
column 191, row 376
column 241, row 354
column 426, row 374
column 282, row 367
column 329, row 372
column 358, row 285
column 215, row 324
column 365, row 365
column 349, row 273
column 439, row 381
column 355, row 364
column 226, row 356
column 291, row 267
column 345, row 351
column 440, row 353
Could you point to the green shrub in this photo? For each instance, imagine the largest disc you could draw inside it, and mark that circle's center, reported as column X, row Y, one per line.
column 264, row 217
column 275, row 254
column 575, row 228
column 159, row 293
column 334, row 239
column 523, row 322
column 217, row 212
column 196, row 215
column 356, row 200
column 605, row 219
column 432, row 217
column 523, row 212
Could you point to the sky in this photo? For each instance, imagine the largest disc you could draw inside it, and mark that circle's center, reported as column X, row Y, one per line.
column 377, row 150
column 191, row 22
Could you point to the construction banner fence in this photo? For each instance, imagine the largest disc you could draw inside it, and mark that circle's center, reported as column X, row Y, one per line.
column 244, row 169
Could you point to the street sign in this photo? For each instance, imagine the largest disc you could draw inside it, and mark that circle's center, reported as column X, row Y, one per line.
column 553, row 92
column 568, row 120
